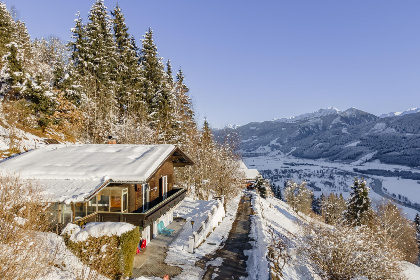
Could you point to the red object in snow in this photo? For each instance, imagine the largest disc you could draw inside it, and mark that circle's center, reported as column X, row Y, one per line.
column 143, row 244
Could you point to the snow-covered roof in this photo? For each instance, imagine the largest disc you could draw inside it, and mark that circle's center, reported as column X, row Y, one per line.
column 250, row 174
column 72, row 173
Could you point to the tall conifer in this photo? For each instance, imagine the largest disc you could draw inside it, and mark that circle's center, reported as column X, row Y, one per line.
column 359, row 204
column 128, row 71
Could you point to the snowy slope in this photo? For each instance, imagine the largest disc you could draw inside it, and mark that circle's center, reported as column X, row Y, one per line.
column 272, row 214
column 13, row 140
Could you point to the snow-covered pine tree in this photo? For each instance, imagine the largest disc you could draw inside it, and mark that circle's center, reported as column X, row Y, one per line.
column 7, row 27
column 12, row 61
column 359, row 204
column 157, row 92
column 97, row 52
column 183, row 109
column 128, row 71
column 169, row 78
column 78, row 47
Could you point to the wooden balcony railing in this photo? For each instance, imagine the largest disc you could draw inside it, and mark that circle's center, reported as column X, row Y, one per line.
column 145, row 218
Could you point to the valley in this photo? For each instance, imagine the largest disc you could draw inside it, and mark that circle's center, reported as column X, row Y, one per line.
column 336, row 177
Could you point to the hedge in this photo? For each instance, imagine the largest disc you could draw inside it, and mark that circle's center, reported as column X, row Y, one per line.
column 112, row 256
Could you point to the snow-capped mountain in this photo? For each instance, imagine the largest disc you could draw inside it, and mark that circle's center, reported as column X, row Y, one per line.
column 336, row 135
column 320, row 113
column 395, row 114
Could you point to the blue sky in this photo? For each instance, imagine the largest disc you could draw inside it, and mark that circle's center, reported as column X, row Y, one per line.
column 258, row 60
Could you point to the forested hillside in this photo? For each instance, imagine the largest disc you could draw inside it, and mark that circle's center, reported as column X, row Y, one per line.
column 347, row 136
column 104, row 82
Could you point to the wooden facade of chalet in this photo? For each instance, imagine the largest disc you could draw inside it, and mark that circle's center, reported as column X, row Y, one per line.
column 138, row 203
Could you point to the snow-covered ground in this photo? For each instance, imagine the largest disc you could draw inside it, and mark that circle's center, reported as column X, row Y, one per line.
column 197, row 211
column 275, row 215
column 12, row 137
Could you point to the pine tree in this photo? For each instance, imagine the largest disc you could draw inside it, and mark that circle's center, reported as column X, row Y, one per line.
column 12, row 49
column 183, row 109
column 169, row 78
column 316, row 205
column 417, row 223
column 94, row 57
column 359, row 204
column 7, row 27
column 158, row 95
column 78, row 47
column 128, row 71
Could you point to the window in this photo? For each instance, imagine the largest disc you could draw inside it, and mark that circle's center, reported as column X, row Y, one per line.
column 145, row 195
column 164, row 187
column 110, row 199
column 124, row 206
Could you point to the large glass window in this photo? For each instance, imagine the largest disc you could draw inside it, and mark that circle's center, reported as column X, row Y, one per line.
column 116, row 200
column 103, row 202
column 67, row 214
column 80, row 211
column 110, row 199
column 91, row 206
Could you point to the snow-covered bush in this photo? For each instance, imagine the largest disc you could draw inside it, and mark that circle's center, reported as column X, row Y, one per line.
column 24, row 253
column 278, row 254
column 398, row 231
column 298, row 196
column 332, row 208
column 346, row 252
column 106, row 247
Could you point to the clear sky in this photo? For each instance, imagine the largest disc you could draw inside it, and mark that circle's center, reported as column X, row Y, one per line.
column 258, row 60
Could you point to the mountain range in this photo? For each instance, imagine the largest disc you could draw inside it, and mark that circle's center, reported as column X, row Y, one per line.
column 331, row 134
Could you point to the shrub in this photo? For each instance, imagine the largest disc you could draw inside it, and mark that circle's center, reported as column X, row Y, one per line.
column 298, row 196
column 111, row 256
column 346, row 252
column 397, row 230
column 128, row 245
column 24, row 253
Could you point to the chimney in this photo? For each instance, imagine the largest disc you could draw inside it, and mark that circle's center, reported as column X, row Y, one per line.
column 111, row 140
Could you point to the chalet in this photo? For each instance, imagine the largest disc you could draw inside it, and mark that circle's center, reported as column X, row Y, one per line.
column 249, row 175
column 88, row 183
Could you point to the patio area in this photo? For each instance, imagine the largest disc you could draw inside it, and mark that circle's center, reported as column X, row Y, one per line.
column 150, row 262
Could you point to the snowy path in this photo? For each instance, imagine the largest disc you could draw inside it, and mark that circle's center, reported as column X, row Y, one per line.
column 230, row 261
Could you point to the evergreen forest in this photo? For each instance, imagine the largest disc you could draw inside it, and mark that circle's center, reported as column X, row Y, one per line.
column 103, row 82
